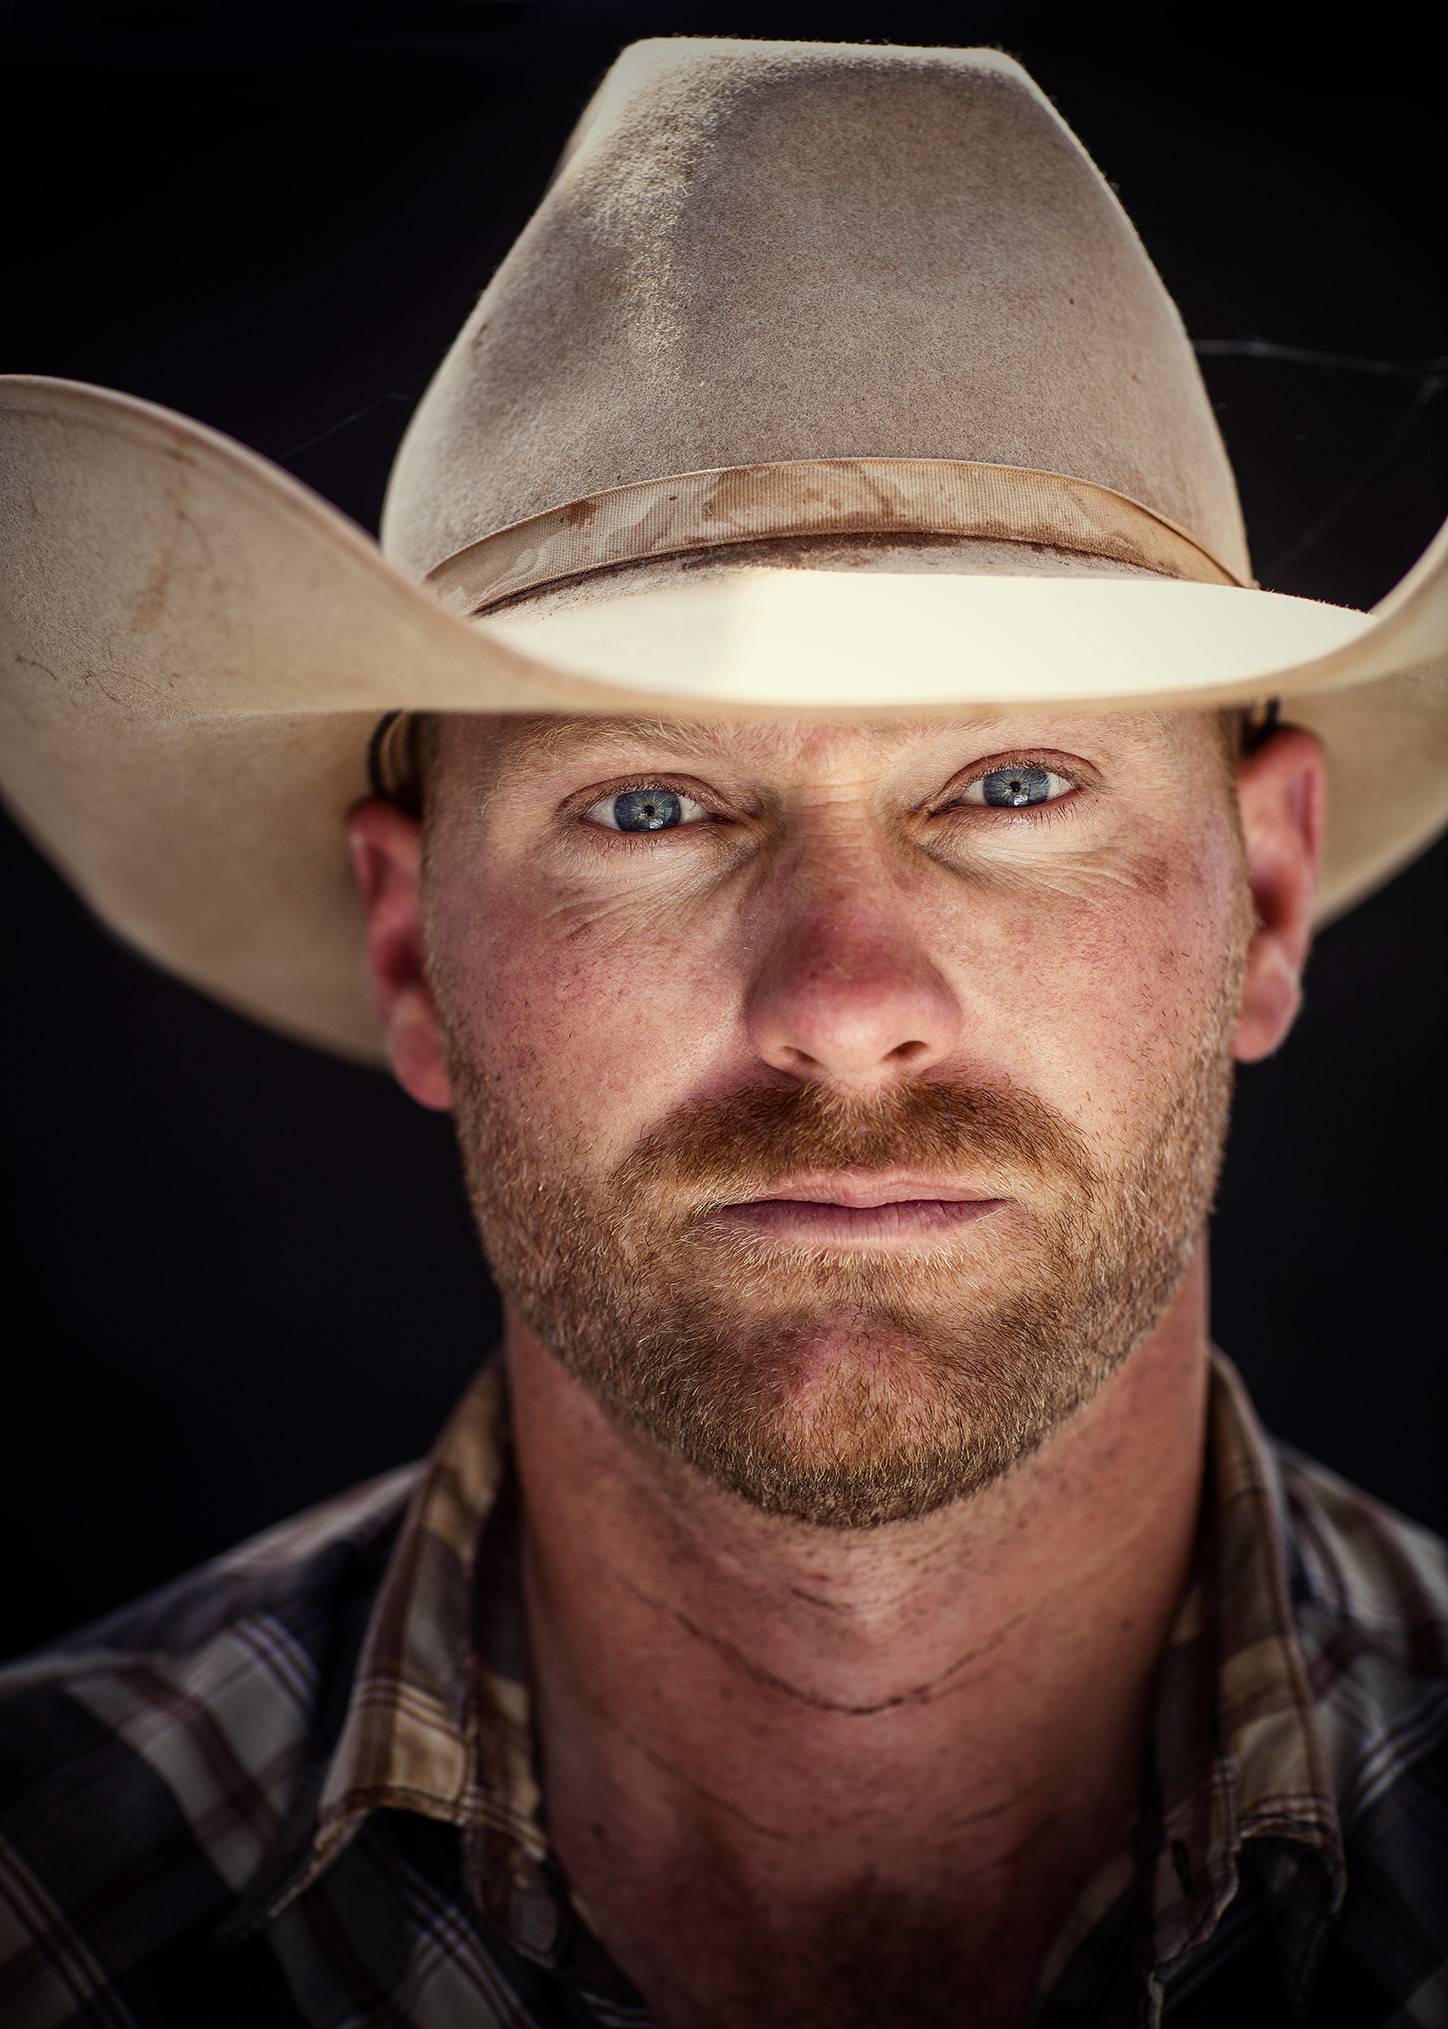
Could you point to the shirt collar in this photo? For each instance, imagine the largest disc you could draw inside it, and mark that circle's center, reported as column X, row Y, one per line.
column 1238, row 1756
column 440, row 1722
column 439, row 1717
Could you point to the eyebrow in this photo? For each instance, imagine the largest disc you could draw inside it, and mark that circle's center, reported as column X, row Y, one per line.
column 560, row 738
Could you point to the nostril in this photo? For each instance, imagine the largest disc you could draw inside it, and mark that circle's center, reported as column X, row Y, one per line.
column 908, row 1053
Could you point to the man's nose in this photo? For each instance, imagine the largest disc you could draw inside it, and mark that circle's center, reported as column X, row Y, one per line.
column 848, row 993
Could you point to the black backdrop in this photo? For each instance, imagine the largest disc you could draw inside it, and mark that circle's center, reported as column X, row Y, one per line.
column 240, row 1276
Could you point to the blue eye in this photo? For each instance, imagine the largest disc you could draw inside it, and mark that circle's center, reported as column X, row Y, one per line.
column 1012, row 788
column 648, row 809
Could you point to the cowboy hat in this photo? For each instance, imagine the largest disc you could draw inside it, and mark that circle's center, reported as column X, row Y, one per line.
column 825, row 379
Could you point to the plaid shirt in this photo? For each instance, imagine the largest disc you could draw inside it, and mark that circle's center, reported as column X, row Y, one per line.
column 299, row 1786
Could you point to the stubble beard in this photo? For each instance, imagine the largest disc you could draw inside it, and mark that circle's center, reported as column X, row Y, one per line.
column 848, row 1389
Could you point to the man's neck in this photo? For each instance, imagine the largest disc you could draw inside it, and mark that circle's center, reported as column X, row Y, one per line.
column 795, row 1772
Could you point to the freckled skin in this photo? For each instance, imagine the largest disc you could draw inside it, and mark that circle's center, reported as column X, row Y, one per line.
column 1050, row 951
column 799, row 1774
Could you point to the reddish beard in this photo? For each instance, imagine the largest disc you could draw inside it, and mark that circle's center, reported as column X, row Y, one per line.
column 850, row 1388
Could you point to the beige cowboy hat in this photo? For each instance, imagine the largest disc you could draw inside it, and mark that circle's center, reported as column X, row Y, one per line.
column 825, row 379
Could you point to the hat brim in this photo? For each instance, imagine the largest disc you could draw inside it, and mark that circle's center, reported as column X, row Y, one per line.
column 197, row 649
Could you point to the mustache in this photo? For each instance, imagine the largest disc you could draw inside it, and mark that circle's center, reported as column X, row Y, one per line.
column 717, row 1151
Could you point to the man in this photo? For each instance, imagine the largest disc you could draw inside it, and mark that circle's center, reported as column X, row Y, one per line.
column 828, row 860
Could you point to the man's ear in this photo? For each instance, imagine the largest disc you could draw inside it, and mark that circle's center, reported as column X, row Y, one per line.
column 387, row 855
column 1282, row 795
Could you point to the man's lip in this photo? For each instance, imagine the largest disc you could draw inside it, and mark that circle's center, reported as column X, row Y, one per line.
column 866, row 1193
column 864, row 1210
column 904, row 1219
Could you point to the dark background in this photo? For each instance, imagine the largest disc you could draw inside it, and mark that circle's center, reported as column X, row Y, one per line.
column 239, row 1276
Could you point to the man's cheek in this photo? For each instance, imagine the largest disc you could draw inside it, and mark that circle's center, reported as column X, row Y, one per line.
column 1092, row 1006
column 589, row 1014
column 1157, row 996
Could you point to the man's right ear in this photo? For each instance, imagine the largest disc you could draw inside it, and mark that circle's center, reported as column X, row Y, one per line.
column 387, row 855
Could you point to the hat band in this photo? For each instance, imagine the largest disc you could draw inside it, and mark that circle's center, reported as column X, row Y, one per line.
column 804, row 497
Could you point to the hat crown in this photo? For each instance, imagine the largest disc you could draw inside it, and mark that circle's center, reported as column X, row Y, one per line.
column 765, row 251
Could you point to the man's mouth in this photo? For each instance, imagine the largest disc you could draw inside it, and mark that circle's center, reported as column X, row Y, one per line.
column 860, row 1211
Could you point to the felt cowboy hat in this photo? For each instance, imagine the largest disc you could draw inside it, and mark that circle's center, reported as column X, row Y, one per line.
column 825, row 379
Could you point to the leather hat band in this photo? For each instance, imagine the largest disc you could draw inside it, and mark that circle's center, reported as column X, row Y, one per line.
column 820, row 497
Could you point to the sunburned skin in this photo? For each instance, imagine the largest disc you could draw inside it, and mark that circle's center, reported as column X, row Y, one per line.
column 806, row 1772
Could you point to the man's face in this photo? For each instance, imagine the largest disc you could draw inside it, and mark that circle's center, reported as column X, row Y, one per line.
column 841, row 1102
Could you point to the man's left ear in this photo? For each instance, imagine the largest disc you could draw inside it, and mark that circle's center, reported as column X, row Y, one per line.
column 1282, row 795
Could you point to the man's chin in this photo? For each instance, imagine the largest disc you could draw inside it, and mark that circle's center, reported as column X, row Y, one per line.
column 837, row 1472
column 837, row 1419
column 843, row 1370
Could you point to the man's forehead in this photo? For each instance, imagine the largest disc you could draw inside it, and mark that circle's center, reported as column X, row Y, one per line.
column 519, row 745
